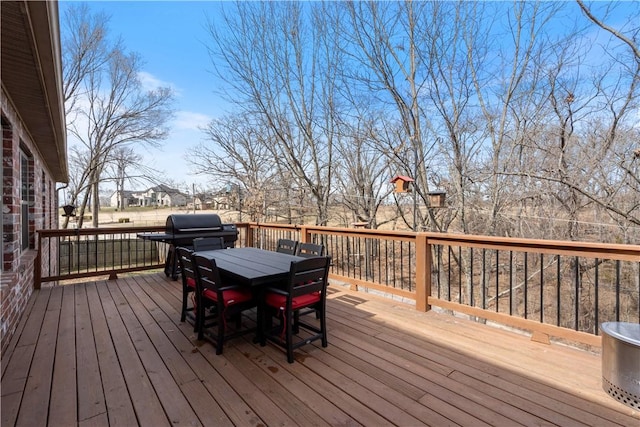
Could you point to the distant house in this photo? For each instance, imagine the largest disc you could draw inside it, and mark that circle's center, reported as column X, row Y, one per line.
column 220, row 200
column 127, row 199
column 207, row 201
column 196, row 203
column 34, row 146
column 160, row 195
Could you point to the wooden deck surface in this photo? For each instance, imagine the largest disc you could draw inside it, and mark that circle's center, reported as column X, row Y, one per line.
column 115, row 353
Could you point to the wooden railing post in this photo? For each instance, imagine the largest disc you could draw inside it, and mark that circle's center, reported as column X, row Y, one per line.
column 305, row 235
column 37, row 268
column 248, row 234
column 423, row 272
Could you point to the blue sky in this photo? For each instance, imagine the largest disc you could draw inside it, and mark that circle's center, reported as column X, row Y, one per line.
column 170, row 36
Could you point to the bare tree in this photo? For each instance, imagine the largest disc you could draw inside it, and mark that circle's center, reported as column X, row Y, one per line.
column 123, row 159
column 237, row 153
column 528, row 128
column 384, row 42
column 284, row 72
column 584, row 154
column 112, row 109
column 620, row 137
column 85, row 49
column 507, row 83
column 78, row 177
column 362, row 173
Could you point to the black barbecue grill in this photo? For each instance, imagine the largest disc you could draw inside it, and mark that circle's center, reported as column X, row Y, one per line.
column 182, row 229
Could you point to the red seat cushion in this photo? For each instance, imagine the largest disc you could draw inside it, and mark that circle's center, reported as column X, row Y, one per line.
column 230, row 296
column 279, row 301
column 191, row 282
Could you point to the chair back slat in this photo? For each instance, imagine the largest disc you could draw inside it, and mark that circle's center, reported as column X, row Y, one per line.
column 309, row 275
column 186, row 263
column 207, row 273
column 189, row 281
column 308, row 250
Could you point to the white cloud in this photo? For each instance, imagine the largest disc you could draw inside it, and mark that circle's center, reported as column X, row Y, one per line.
column 151, row 82
column 190, row 120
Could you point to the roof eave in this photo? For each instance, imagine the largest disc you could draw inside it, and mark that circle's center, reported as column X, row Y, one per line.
column 32, row 77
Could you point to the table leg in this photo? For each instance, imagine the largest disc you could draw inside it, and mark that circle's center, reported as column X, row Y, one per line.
column 261, row 317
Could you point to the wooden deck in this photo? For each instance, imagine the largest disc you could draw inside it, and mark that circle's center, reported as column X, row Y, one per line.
column 114, row 353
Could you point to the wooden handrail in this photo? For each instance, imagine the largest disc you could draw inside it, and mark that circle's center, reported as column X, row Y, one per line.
column 583, row 249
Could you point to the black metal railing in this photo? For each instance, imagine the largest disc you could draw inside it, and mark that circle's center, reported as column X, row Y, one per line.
column 568, row 291
column 389, row 263
column 77, row 253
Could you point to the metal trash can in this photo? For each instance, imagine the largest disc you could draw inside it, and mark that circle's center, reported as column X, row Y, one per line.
column 621, row 362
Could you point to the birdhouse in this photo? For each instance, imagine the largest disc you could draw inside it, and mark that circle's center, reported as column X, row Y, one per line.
column 437, row 198
column 69, row 210
column 402, row 183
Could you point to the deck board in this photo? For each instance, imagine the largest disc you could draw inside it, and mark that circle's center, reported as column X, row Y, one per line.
column 154, row 359
column 63, row 411
column 119, row 405
column 115, row 353
column 430, row 381
column 38, row 384
column 146, row 403
column 203, row 404
column 91, row 400
column 164, row 294
column 311, row 397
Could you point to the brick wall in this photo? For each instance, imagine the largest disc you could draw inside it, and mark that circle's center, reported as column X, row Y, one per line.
column 17, row 282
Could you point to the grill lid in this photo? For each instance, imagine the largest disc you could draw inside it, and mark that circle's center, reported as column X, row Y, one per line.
column 179, row 224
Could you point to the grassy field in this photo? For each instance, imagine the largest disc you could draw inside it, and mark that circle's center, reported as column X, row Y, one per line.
column 144, row 216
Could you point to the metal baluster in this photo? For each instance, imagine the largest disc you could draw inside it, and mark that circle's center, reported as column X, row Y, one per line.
column 471, row 299
column 558, row 304
column 526, row 284
column 497, row 281
column 484, row 278
column 541, row 288
column 617, row 290
column 596, row 309
column 576, row 313
column 449, row 274
column 511, row 272
column 460, row 274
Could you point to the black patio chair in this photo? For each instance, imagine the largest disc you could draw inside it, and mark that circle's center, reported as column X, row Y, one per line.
column 226, row 301
column 287, row 246
column 309, row 250
column 306, row 287
column 188, row 274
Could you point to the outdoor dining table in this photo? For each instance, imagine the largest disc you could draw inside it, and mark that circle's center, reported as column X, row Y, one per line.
column 252, row 267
